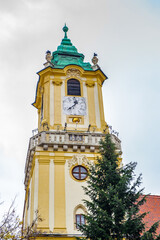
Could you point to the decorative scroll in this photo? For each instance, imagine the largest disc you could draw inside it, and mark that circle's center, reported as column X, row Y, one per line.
column 78, row 160
column 99, row 82
column 73, row 72
column 57, row 82
column 90, row 83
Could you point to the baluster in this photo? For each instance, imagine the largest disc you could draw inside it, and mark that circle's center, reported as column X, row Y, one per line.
column 32, row 142
column 50, row 137
column 89, row 139
column 86, row 139
column 66, row 139
column 43, row 137
column 36, row 141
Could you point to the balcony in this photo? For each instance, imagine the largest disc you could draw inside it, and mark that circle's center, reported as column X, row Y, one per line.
column 63, row 140
column 68, row 138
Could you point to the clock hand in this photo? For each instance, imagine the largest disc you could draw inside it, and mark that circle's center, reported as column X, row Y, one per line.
column 75, row 102
column 71, row 106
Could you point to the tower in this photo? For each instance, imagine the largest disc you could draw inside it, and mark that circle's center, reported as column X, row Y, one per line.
column 70, row 125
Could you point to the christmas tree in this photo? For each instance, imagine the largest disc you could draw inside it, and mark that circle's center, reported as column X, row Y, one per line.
column 114, row 199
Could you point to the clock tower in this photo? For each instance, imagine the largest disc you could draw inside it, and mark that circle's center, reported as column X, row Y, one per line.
column 70, row 125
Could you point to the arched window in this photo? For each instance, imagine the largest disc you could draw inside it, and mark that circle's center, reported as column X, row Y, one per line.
column 79, row 212
column 73, row 87
column 80, row 220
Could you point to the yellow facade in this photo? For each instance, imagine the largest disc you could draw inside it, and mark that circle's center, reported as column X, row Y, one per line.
column 59, row 205
column 57, row 79
column 67, row 139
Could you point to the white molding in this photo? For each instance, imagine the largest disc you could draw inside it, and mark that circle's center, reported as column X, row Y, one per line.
column 79, row 154
column 29, row 208
column 72, row 199
column 36, row 183
column 51, row 154
column 86, row 117
column 51, row 103
column 63, row 116
column 51, row 195
column 96, row 100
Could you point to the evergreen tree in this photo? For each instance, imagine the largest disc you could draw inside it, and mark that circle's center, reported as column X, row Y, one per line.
column 114, row 199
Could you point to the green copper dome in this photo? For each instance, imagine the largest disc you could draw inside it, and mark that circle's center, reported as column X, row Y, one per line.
column 67, row 54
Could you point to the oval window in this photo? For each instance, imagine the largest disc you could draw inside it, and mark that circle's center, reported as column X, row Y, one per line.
column 79, row 172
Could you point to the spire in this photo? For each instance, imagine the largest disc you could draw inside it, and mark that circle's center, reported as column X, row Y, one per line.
column 66, row 42
column 65, row 30
column 67, row 54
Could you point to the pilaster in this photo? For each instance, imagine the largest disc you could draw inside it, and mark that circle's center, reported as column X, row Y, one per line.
column 59, row 194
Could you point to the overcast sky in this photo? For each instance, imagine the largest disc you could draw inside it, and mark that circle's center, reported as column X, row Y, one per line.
column 125, row 35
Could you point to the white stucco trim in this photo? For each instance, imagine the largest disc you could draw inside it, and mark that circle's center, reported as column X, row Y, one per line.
column 62, row 95
column 86, row 117
column 36, row 187
column 74, row 198
column 51, row 103
column 51, row 154
column 29, row 208
column 79, row 154
column 97, row 106
column 51, row 195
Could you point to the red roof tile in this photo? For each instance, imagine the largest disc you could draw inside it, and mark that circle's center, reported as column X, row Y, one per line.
column 152, row 205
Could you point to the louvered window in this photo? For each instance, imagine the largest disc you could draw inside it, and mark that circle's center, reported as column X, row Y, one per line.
column 73, row 87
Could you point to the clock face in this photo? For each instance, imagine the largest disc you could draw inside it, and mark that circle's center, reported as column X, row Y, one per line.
column 74, row 105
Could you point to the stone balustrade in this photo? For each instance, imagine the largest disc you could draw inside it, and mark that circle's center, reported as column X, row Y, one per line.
column 68, row 138
column 63, row 140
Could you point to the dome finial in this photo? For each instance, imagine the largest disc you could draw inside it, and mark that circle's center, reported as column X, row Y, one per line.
column 65, row 30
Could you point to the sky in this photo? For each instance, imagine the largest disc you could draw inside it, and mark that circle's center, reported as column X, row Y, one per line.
column 125, row 35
